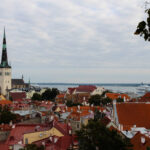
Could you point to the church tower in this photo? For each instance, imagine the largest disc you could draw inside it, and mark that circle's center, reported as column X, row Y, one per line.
column 5, row 70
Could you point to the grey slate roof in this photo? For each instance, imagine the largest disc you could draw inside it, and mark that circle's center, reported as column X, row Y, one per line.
column 17, row 82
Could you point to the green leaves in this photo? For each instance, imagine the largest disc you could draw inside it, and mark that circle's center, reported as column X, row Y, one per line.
column 98, row 99
column 5, row 115
column 49, row 94
column 143, row 28
column 95, row 135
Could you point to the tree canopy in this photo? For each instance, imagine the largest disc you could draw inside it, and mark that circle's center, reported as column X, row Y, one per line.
column 95, row 136
column 6, row 115
column 143, row 28
column 99, row 100
column 70, row 103
column 36, row 96
column 49, row 94
column 119, row 99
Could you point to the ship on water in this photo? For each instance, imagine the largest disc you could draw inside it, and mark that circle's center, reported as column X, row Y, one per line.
column 143, row 88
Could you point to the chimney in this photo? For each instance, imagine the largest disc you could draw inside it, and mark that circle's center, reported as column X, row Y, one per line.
column 124, row 99
column 70, row 132
column 51, row 138
column 10, row 123
column 79, row 107
column 66, row 108
column 143, row 140
column 55, row 139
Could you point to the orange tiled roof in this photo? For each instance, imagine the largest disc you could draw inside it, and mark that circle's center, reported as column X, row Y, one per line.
column 60, row 96
column 84, row 108
column 71, row 90
column 77, row 115
column 130, row 114
column 137, row 144
column 5, row 102
column 114, row 96
column 145, row 98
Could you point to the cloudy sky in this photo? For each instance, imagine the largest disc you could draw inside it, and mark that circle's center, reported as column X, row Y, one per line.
column 75, row 40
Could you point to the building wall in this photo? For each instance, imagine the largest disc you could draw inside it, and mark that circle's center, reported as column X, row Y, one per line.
column 36, row 136
column 5, row 80
column 17, row 147
column 76, row 125
column 18, row 86
column 98, row 91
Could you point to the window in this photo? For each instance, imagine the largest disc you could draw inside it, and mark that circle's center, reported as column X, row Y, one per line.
column 26, row 140
column 78, row 126
column 7, row 73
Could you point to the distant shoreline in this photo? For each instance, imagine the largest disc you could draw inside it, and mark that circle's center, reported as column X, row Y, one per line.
column 97, row 84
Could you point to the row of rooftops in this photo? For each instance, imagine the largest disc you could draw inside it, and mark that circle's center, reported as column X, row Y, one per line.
column 128, row 113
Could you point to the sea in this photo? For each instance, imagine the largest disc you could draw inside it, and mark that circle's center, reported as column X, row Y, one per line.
column 114, row 87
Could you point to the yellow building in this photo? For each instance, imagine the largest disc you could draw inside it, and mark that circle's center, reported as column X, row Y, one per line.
column 36, row 136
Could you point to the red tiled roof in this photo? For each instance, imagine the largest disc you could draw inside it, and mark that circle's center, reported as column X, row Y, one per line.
column 71, row 90
column 62, row 127
column 86, row 88
column 63, row 143
column 84, row 108
column 114, row 96
column 145, row 98
column 130, row 114
column 5, row 102
column 105, row 121
column 18, row 95
column 5, row 127
column 137, row 144
column 17, row 133
column 60, row 96
column 3, row 146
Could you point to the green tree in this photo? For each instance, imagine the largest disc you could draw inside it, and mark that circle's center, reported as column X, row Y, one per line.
column 148, row 148
column 95, row 99
column 98, row 115
column 95, row 136
column 36, row 96
column 70, row 103
column 99, row 100
column 6, row 115
column 143, row 28
column 107, row 91
column 119, row 100
column 50, row 94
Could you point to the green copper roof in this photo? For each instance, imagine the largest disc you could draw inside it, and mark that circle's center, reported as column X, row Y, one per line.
column 4, row 60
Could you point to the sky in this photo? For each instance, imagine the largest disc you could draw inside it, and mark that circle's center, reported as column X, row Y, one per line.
column 75, row 41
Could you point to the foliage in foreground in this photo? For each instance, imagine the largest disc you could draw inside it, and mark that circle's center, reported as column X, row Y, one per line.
column 143, row 28
column 95, row 136
column 6, row 115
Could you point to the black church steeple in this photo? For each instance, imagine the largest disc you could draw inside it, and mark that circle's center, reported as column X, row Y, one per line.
column 4, row 59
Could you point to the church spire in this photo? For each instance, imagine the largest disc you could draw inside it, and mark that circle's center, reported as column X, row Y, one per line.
column 4, row 60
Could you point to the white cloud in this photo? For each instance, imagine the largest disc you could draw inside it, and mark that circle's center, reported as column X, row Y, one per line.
column 50, row 40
